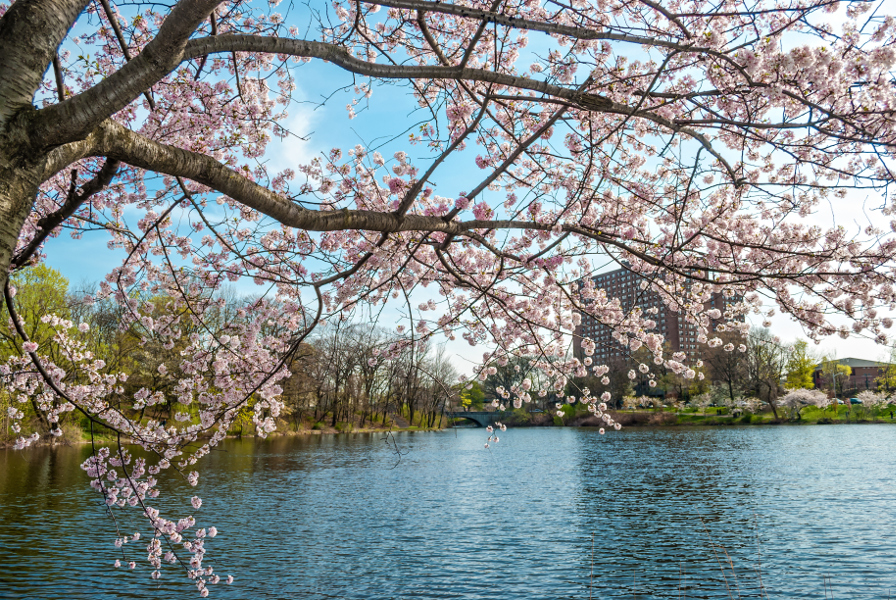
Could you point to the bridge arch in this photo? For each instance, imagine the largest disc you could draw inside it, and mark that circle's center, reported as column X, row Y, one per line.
column 482, row 419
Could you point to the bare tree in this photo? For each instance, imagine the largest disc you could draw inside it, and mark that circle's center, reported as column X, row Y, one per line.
column 766, row 367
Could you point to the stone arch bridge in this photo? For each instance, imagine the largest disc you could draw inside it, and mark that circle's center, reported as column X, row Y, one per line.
column 481, row 418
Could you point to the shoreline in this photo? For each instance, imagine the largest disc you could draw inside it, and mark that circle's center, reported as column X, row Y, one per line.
column 646, row 418
column 628, row 420
column 100, row 439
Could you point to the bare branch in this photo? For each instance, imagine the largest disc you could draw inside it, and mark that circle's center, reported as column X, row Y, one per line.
column 47, row 224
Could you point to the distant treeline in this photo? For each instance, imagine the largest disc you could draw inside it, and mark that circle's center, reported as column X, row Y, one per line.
column 343, row 376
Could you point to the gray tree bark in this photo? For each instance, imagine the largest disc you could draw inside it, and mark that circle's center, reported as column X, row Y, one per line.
column 30, row 33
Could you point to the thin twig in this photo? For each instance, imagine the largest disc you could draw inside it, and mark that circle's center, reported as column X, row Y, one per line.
column 60, row 83
column 718, row 560
column 591, row 588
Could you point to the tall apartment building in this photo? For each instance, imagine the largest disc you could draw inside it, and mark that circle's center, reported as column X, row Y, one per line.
column 625, row 285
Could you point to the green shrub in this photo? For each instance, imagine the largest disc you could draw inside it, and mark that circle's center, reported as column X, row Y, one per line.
column 520, row 416
column 318, row 426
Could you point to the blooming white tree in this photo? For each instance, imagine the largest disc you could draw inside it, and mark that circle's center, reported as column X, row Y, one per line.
column 872, row 401
column 702, row 401
column 749, row 404
column 797, row 399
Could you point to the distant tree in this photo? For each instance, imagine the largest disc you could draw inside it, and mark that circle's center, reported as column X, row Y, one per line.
column 766, row 367
column 39, row 291
column 797, row 399
column 726, row 364
column 721, row 394
column 886, row 382
column 702, row 401
column 472, row 396
column 800, row 366
column 871, row 401
column 834, row 374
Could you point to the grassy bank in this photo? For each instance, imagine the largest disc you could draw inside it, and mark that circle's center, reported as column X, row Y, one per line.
column 79, row 431
column 578, row 416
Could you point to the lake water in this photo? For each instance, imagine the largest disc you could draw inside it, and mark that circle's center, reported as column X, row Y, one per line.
column 788, row 512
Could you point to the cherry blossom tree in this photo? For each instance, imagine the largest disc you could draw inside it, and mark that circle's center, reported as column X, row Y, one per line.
column 872, row 401
column 799, row 398
column 702, row 401
column 693, row 143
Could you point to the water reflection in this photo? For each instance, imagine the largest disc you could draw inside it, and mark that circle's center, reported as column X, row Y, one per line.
column 698, row 513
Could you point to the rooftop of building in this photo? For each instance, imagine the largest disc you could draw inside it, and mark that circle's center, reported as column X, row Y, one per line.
column 856, row 363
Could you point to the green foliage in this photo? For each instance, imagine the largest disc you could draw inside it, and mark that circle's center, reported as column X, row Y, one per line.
column 887, row 380
column 800, row 366
column 474, row 398
column 835, row 374
column 520, row 416
column 40, row 291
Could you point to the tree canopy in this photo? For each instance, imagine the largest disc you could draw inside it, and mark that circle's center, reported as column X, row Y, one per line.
column 800, row 366
column 696, row 144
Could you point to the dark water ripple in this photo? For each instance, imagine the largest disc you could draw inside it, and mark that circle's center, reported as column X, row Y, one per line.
column 674, row 513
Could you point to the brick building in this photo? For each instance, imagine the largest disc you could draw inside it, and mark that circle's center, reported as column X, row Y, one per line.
column 625, row 285
column 864, row 375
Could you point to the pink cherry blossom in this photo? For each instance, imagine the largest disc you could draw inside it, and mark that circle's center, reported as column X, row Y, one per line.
column 691, row 146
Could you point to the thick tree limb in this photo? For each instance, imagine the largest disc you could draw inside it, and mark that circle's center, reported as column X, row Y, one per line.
column 30, row 33
column 61, row 157
column 338, row 56
column 76, row 117
column 115, row 141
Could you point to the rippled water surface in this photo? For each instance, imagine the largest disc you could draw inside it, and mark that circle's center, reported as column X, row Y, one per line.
column 673, row 513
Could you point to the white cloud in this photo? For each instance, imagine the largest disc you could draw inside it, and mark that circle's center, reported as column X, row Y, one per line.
column 298, row 147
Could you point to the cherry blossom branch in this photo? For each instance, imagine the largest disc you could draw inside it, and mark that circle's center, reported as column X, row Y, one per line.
column 35, row 360
column 48, row 223
column 76, row 117
column 574, row 32
column 117, row 142
column 340, row 57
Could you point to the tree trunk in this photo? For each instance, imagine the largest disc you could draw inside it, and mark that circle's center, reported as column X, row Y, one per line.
column 771, row 403
column 18, row 188
column 30, row 33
